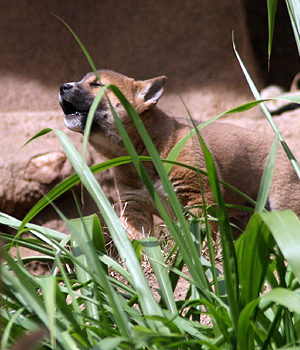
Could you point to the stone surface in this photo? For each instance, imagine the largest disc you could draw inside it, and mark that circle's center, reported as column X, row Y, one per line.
column 190, row 42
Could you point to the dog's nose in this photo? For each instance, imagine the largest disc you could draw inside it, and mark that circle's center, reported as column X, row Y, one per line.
column 66, row 87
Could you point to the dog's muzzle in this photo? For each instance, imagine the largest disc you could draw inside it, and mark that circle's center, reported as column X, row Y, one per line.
column 75, row 119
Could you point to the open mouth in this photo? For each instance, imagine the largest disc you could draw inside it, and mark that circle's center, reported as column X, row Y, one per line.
column 75, row 119
column 69, row 108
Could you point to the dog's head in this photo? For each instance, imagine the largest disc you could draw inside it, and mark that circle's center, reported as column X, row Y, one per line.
column 76, row 99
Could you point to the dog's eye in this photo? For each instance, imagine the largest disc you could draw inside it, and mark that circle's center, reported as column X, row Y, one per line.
column 95, row 84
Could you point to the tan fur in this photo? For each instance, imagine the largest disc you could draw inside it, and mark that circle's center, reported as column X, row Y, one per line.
column 240, row 154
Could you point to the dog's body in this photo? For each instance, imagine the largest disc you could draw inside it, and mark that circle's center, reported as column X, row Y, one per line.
column 240, row 154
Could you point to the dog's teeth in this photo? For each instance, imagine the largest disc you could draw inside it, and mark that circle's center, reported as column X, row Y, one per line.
column 75, row 122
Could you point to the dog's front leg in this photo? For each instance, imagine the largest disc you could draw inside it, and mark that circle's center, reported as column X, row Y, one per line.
column 138, row 223
column 137, row 207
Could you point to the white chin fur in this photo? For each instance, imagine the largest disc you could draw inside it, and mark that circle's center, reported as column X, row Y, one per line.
column 74, row 122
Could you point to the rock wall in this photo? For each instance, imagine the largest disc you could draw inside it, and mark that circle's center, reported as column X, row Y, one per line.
column 188, row 41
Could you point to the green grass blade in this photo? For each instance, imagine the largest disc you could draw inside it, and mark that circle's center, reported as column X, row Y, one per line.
column 272, row 6
column 96, row 229
column 32, row 244
column 287, row 298
column 285, row 228
column 245, row 326
column 116, row 267
column 109, row 343
column 220, row 320
column 294, row 13
column 267, row 113
column 88, row 57
column 196, row 233
column 267, row 177
column 39, row 134
column 181, row 143
column 288, row 97
column 90, row 118
column 48, row 286
column 155, row 256
column 10, row 221
column 252, row 249
column 61, row 301
column 229, row 257
column 81, row 247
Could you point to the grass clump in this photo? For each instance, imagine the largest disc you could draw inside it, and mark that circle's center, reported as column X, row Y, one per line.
column 253, row 303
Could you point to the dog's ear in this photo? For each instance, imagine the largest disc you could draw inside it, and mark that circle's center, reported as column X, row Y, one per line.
column 150, row 91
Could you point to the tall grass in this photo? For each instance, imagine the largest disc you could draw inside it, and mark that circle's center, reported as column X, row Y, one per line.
column 253, row 303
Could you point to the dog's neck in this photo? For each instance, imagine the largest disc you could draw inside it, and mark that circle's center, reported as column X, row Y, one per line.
column 155, row 122
column 160, row 127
